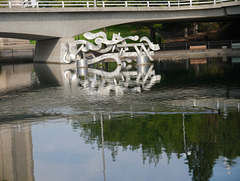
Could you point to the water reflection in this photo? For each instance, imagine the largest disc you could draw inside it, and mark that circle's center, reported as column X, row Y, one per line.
column 97, row 122
column 195, row 83
column 116, row 78
column 202, row 142
column 235, row 60
column 16, row 154
column 176, row 87
column 196, row 138
column 16, row 76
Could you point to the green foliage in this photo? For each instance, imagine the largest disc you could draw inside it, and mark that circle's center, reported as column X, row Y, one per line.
column 209, row 26
column 127, row 30
column 3, row 1
column 160, row 26
column 33, row 42
column 124, row 30
column 109, row 66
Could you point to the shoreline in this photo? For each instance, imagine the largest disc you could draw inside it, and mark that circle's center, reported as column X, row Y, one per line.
column 25, row 54
column 181, row 54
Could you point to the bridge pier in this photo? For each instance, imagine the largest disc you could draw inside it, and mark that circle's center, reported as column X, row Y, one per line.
column 52, row 50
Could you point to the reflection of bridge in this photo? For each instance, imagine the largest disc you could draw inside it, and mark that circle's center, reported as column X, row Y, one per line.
column 46, row 23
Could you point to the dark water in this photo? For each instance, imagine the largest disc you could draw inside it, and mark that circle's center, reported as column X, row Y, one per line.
column 180, row 121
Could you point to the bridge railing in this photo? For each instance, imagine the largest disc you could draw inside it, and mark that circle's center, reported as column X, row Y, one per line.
column 103, row 4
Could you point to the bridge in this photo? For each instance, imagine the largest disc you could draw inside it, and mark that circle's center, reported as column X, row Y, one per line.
column 55, row 22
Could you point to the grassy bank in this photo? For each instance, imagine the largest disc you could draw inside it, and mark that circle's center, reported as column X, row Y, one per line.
column 124, row 30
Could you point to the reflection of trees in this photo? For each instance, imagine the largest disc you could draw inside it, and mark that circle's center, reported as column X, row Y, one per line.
column 201, row 161
column 213, row 73
column 207, row 137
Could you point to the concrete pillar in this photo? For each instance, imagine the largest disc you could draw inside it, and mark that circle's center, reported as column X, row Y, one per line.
column 52, row 50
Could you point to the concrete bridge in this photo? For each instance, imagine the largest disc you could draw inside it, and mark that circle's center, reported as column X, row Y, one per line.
column 54, row 23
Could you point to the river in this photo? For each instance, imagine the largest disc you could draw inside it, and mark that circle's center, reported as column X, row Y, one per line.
column 180, row 120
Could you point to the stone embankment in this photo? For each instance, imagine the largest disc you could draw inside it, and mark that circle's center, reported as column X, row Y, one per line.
column 5, row 42
column 180, row 54
column 16, row 51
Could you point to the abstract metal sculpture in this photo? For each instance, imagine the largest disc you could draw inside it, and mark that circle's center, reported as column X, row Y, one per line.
column 120, row 51
column 116, row 49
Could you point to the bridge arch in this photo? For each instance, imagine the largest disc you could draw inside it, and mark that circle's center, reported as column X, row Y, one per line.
column 45, row 23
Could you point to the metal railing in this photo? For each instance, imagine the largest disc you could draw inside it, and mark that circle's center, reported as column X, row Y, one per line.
column 224, row 44
column 103, row 4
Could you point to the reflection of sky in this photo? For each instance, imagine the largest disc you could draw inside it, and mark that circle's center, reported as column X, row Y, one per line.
column 59, row 153
column 224, row 174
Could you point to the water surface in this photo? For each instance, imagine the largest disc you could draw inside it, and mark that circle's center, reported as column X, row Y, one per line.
column 181, row 122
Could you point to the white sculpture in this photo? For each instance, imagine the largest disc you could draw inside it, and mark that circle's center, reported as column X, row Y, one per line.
column 116, row 48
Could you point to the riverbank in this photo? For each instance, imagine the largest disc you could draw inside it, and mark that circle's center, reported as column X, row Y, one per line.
column 17, row 53
column 25, row 54
column 180, row 54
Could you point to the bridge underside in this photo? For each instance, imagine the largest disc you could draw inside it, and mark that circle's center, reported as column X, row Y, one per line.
column 46, row 23
column 26, row 36
column 31, row 36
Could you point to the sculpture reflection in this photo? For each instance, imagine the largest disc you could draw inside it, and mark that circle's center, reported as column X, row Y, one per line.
column 110, row 77
column 120, row 80
column 178, row 88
